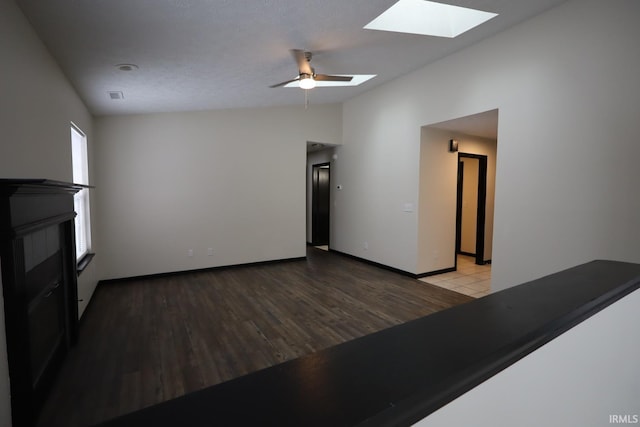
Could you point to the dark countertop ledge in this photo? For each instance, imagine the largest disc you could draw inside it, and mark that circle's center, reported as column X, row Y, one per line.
column 400, row 375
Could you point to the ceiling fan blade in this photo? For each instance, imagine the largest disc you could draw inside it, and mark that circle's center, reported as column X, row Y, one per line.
column 285, row 83
column 327, row 78
column 301, row 59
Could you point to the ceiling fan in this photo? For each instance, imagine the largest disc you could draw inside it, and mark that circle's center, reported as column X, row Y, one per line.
column 307, row 76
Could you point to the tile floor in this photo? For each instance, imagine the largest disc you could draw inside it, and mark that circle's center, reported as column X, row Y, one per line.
column 469, row 279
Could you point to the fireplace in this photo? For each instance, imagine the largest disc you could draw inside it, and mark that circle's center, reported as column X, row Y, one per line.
column 37, row 251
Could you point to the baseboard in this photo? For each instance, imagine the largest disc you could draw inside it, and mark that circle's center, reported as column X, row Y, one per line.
column 317, row 244
column 433, row 273
column 376, row 264
column 467, row 254
column 395, row 270
column 219, row 268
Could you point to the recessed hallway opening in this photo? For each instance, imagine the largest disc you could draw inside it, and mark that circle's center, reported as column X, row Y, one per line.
column 457, row 219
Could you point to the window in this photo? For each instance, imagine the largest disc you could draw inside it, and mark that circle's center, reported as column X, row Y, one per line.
column 81, row 199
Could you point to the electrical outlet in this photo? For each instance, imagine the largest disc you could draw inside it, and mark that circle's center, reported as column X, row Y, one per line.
column 190, row 252
column 210, row 251
column 366, row 246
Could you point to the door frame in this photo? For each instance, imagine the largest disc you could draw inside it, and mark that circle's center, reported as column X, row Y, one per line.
column 481, row 209
column 315, row 200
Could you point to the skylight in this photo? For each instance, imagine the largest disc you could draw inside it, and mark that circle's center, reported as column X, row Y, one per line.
column 429, row 18
column 357, row 80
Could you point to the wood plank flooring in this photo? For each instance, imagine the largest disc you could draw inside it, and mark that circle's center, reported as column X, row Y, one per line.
column 149, row 340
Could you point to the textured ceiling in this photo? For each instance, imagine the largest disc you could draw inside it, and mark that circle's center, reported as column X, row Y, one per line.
column 213, row 54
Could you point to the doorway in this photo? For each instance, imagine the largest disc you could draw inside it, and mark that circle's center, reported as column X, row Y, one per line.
column 320, row 204
column 471, row 202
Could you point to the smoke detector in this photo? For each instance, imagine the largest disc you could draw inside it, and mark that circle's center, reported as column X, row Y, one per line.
column 127, row 67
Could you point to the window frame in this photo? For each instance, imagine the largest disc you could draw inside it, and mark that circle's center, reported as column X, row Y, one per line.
column 81, row 200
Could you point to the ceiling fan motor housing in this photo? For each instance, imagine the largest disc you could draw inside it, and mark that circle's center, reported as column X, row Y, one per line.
column 307, row 74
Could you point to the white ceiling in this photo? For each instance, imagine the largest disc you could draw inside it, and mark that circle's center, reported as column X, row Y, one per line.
column 213, row 54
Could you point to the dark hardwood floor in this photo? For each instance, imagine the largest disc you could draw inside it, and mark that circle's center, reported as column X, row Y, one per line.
column 149, row 340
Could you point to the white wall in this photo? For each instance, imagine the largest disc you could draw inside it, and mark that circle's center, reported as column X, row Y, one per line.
column 230, row 180
column 37, row 104
column 437, row 208
column 566, row 86
column 581, row 378
column 378, row 168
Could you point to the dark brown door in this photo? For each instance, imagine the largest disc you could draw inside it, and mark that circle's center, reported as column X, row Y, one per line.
column 471, row 205
column 320, row 205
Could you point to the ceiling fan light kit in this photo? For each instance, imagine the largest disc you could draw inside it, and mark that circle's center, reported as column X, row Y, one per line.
column 307, row 77
column 306, row 81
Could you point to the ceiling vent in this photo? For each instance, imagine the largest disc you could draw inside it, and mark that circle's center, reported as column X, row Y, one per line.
column 116, row 95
